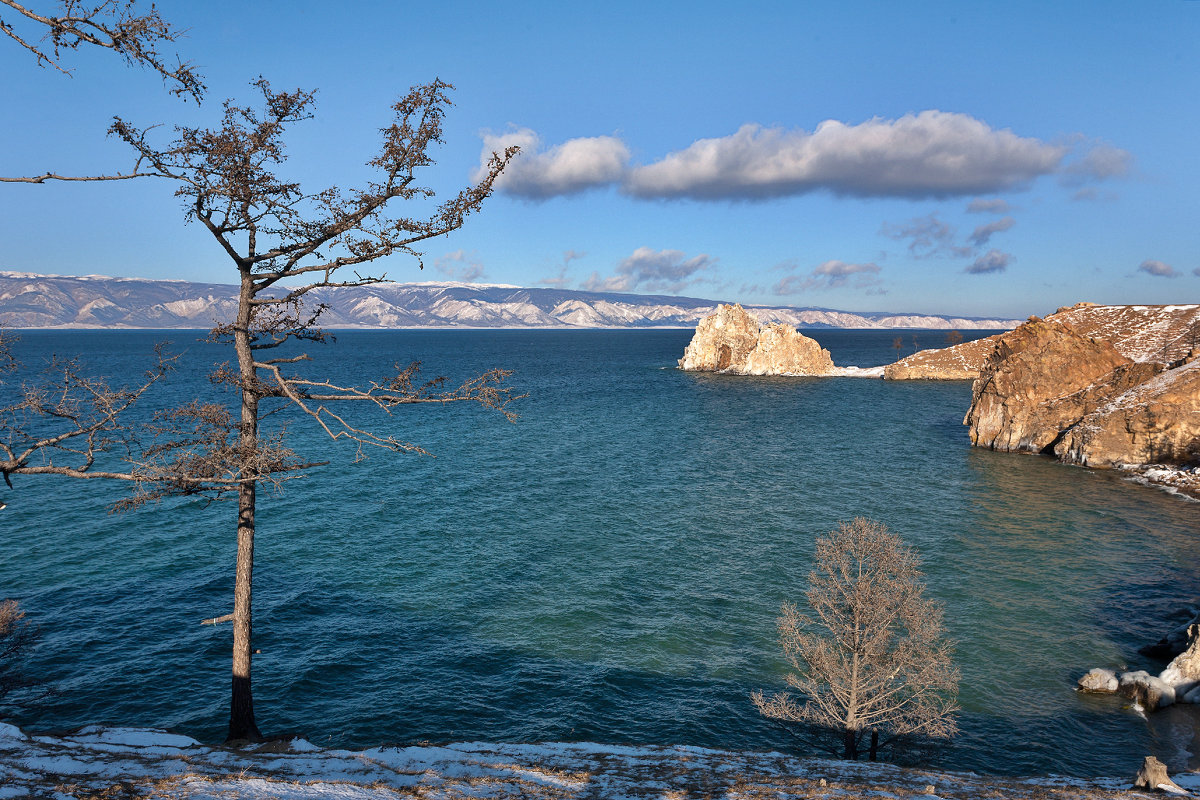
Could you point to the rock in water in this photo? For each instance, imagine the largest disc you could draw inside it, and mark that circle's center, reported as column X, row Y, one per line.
column 731, row 340
column 1153, row 776
column 1148, row 691
column 1183, row 673
column 1099, row 681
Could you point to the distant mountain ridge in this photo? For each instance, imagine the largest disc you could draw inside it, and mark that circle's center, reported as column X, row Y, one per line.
column 95, row 301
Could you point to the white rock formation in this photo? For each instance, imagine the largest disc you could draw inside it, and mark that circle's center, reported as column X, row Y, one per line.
column 731, row 340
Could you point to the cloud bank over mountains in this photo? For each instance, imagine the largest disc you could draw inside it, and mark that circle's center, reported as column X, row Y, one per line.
column 931, row 154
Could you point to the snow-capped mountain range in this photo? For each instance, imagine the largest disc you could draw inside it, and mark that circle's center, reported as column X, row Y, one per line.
column 96, row 301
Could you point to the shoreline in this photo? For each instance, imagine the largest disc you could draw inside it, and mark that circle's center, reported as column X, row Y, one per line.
column 155, row 763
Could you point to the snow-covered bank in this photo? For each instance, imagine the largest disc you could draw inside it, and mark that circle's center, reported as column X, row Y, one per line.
column 128, row 762
column 1183, row 481
column 857, row 372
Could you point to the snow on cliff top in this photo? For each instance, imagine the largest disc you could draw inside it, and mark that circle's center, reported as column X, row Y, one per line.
column 154, row 763
column 1142, row 333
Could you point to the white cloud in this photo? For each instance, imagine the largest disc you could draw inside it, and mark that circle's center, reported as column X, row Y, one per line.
column 560, row 278
column 1158, row 269
column 569, row 168
column 653, row 270
column 991, row 261
column 927, row 236
column 983, row 233
column 992, row 206
column 829, row 275
column 460, row 266
column 930, row 154
column 1101, row 161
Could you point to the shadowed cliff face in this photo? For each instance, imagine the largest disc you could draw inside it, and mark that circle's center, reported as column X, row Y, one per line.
column 731, row 340
column 1048, row 388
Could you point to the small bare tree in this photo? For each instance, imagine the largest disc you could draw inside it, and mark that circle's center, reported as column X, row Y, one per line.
column 953, row 338
column 898, row 345
column 17, row 636
column 283, row 243
column 870, row 655
column 116, row 25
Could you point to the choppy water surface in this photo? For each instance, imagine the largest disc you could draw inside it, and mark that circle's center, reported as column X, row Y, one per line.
column 609, row 568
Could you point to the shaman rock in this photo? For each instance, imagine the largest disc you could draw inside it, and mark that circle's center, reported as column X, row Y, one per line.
column 731, row 340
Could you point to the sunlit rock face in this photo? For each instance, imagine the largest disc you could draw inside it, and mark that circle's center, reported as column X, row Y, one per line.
column 731, row 340
column 1040, row 380
column 1156, row 422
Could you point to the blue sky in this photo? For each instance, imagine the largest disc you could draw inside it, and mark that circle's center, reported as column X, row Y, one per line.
column 983, row 158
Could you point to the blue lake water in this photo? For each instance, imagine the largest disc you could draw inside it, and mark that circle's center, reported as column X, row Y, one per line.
column 608, row 568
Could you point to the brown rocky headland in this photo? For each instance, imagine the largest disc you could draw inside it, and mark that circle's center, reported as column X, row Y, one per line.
column 1161, row 334
column 1099, row 386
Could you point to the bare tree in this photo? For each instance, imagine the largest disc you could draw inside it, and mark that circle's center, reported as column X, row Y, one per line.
column 898, row 345
column 117, row 25
column 870, row 656
column 953, row 338
column 283, row 242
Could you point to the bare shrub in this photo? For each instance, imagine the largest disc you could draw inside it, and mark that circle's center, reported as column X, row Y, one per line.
column 17, row 636
column 869, row 657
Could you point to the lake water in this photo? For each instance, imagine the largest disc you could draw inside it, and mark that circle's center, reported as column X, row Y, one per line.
column 608, row 568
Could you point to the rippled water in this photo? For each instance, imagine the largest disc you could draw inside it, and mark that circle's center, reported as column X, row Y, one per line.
column 609, row 568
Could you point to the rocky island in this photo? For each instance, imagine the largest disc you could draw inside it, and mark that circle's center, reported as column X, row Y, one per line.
column 731, row 340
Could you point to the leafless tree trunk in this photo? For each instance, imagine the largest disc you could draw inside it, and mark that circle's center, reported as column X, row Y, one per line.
column 284, row 243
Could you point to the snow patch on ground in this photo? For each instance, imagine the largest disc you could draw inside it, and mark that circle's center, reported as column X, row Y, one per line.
column 857, row 372
column 154, row 763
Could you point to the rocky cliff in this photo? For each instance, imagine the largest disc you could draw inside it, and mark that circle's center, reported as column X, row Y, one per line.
column 1160, row 334
column 1050, row 387
column 731, row 340
column 1156, row 422
column 1041, row 379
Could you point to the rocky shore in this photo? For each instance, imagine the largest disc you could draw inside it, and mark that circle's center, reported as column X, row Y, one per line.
column 1099, row 386
column 99, row 762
